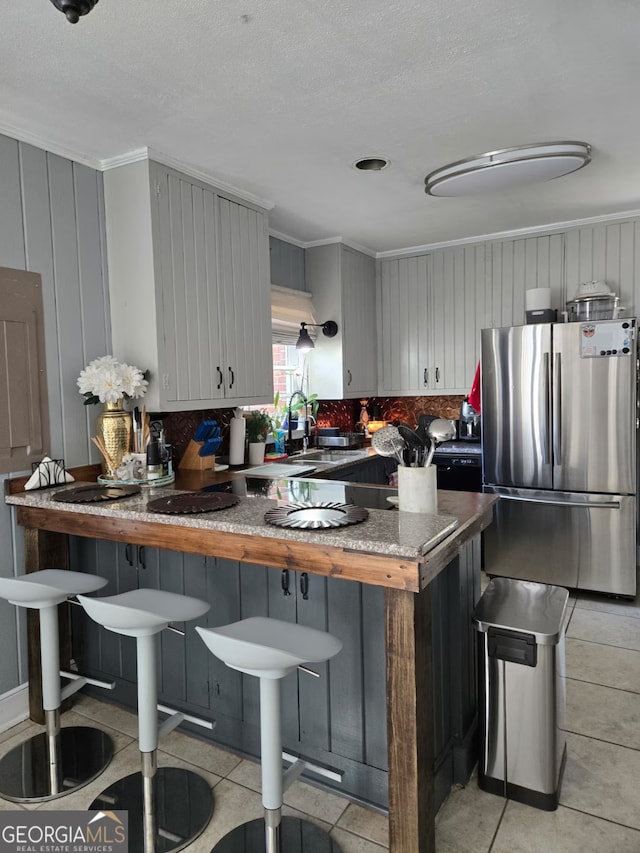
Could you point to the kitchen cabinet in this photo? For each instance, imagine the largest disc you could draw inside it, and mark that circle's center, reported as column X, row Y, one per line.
column 342, row 284
column 190, row 288
column 432, row 308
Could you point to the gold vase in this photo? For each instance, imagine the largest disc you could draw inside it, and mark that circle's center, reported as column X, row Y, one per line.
column 113, row 428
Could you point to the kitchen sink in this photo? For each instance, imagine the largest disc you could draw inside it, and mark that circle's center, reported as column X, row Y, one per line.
column 326, row 457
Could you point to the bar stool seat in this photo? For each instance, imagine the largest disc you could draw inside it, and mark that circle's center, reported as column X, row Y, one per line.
column 270, row 649
column 168, row 807
column 59, row 760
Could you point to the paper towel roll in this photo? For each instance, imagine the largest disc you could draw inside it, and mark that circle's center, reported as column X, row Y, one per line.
column 537, row 298
column 237, row 430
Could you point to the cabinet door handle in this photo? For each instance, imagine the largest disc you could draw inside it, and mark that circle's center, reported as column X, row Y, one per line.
column 232, row 378
column 127, row 554
column 142, row 557
column 426, row 376
column 220, row 376
column 437, row 375
column 349, row 377
column 304, row 585
column 284, row 580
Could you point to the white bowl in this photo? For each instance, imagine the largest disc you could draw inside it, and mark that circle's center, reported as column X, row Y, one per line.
column 593, row 288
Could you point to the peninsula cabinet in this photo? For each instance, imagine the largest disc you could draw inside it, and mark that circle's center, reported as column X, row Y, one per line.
column 342, row 283
column 431, row 309
column 338, row 719
column 189, row 288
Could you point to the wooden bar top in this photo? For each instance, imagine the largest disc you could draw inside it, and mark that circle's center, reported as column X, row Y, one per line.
column 390, row 549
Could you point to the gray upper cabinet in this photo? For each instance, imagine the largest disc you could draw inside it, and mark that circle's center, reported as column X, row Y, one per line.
column 342, row 284
column 190, row 288
column 432, row 308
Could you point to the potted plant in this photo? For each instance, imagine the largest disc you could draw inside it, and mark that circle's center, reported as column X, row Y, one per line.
column 258, row 426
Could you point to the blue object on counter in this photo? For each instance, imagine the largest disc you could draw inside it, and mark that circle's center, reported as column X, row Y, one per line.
column 209, row 434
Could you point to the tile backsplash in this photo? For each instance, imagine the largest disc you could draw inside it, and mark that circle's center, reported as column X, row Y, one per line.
column 180, row 427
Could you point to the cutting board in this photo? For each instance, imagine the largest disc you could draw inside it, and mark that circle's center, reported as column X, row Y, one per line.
column 276, row 470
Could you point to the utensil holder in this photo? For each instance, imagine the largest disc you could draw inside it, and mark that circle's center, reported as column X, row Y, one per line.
column 418, row 489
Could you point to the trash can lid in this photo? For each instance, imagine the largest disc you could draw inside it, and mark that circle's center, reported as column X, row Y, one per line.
column 535, row 608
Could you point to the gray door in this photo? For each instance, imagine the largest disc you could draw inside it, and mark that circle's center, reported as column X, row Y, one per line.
column 594, row 407
column 516, row 401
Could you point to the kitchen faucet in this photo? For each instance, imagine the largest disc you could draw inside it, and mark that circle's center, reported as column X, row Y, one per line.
column 305, row 439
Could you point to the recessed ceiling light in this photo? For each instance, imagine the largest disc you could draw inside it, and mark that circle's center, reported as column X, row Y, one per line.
column 372, row 164
column 507, row 168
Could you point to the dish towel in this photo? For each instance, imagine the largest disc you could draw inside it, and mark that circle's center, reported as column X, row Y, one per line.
column 474, row 394
column 48, row 473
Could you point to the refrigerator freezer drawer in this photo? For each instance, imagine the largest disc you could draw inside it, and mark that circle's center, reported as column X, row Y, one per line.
column 580, row 541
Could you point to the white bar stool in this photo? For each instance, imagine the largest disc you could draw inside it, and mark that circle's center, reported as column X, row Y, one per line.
column 168, row 807
column 59, row 760
column 271, row 649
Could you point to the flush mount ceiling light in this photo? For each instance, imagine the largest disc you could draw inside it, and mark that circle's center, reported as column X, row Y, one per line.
column 304, row 342
column 507, row 168
column 371, row 164
column 74, row 9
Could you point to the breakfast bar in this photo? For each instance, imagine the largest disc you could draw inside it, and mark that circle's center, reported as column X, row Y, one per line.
column 403, row 553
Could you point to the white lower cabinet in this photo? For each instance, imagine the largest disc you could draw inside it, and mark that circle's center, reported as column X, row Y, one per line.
column 190, row 288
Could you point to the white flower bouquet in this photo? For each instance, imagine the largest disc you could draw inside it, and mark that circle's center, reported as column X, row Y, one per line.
column 107, row 380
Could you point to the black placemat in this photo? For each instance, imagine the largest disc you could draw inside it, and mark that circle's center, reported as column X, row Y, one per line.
column 91, row 494
column 192, row 502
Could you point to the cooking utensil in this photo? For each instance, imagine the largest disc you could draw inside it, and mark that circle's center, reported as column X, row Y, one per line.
column 388, row 442
column 439, row 430
column 423, row 425
column 416, row 446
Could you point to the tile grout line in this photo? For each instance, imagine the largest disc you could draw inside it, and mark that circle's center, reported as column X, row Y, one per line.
column 600, row 643
column 495, row 834
column 602, row 740
column 599, row 684
column 599, row 817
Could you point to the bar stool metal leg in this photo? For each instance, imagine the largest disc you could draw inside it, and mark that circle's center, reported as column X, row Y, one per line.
column 58, row 760
column 168, row 806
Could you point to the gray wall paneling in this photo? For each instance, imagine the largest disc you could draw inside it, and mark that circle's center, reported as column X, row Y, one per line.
column 51, row 222
column 287, row 264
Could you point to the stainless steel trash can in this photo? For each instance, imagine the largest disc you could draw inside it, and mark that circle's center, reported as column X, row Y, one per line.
column 522, row 690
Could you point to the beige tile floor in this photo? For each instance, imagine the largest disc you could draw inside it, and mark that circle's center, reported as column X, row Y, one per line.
column 600, row 801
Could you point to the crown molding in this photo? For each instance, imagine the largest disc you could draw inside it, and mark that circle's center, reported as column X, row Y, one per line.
column 124, row 159
column 365, row 250
column 286, row 238
column 48, row 145
column 550, row 228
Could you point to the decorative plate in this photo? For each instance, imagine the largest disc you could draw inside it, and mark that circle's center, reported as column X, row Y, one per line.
column 316, row 516
column 189, row 502
column 91, row 494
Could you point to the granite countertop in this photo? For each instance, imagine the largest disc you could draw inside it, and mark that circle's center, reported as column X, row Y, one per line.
column 385, row 532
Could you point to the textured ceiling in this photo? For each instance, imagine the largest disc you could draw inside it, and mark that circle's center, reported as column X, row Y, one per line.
column 280, row 97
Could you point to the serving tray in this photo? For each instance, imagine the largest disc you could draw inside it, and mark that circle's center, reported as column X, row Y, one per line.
column 91, row 494
column 158, row 481
column 316, row 516
column 190, row 502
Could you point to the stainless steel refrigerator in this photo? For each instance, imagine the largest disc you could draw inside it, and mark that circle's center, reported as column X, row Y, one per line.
column 559, row 433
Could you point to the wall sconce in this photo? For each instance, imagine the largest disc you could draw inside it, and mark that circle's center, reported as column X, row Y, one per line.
column 304, row 342
column 74, row 9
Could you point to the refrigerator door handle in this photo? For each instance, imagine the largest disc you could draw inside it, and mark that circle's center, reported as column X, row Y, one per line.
column 546, row 439
column 557, row 408
column 581, row 504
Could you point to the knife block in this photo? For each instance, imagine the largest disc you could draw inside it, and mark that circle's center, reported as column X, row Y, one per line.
column 192, row 461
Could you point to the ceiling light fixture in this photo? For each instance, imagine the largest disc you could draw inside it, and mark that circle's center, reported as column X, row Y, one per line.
column 304, row 342
column 507, row 168
column 371, row 164
column 73, row 10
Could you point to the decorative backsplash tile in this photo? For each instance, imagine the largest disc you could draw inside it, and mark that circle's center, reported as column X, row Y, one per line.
column 180, row 427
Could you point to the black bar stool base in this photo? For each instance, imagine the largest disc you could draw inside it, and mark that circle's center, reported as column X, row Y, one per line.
column 296, row 836
column 28, row 774
column 183, row 808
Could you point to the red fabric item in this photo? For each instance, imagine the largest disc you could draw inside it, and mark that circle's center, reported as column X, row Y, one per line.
column 474, row 394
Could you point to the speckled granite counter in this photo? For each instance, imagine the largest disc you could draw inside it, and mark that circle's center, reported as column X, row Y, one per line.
column 402, row 550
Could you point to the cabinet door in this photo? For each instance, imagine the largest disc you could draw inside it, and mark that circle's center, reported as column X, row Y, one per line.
column 405, row 348
column 359, row 351
column 190, row 349
column 457, row 301
column 244, row 280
